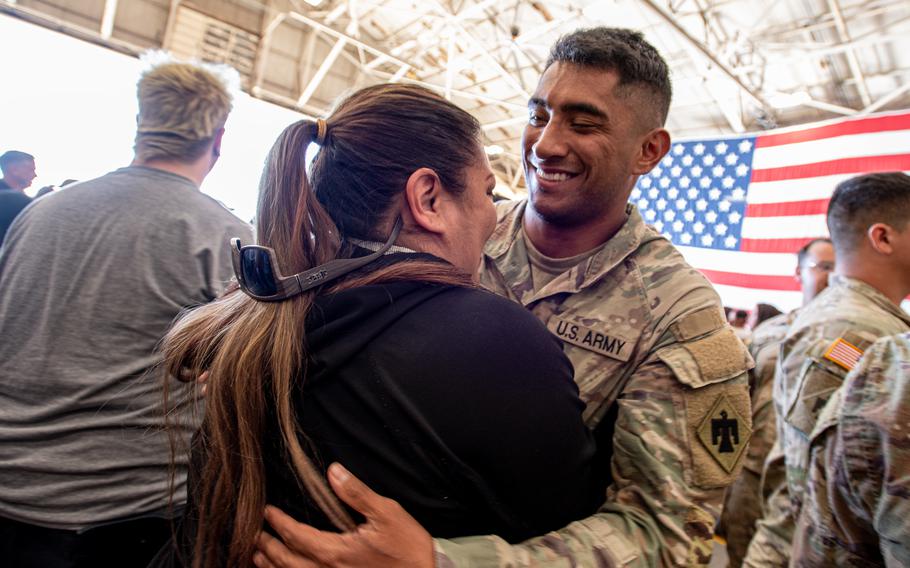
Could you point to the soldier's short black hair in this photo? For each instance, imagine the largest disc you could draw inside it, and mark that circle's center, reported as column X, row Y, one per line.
column 862, row 201
column 12, row 157
column 804, row 251
column 624, row 51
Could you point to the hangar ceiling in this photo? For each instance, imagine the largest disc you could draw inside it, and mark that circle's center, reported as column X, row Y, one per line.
column 737, row 65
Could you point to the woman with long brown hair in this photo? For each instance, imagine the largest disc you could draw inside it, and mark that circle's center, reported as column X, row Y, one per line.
column 379, row 351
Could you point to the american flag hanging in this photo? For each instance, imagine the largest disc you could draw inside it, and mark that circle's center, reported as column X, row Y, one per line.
column 740, row 207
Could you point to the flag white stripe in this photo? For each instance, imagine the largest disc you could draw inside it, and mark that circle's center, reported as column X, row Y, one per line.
column 788, row 190
column 737, row 297
column 797, row 226
column 803, row 189
column 760, row 263
column 827, row 149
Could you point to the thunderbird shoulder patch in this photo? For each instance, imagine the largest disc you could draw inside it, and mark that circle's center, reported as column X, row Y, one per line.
column 720, row 427
column 724, row 433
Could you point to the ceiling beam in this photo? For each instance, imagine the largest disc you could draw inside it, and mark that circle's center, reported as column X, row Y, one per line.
column 348, row 38
column 852, row 61
column 706, row 52
column 890, row 97
column 107, row 20
column 322, row 71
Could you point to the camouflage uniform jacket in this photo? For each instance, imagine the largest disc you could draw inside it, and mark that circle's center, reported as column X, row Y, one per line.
column 651, row 350
column 742, row 505
column 857, row 509
column 828, row 335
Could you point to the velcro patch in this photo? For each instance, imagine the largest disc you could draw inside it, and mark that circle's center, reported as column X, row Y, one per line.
column 589, row 338
column 843, row 353
column 698, row 323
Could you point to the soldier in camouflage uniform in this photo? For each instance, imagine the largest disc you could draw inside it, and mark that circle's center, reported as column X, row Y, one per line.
column 660, row 370
column 743, row 503
column 867, row 219
column 857, row 509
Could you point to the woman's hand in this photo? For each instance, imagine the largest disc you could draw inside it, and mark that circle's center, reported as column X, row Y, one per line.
column 390, row 537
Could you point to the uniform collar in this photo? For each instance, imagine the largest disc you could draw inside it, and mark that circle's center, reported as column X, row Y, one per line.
column 507, row 249
column 870, row 292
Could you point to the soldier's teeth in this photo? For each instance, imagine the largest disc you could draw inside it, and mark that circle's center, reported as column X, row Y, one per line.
column 557, row 176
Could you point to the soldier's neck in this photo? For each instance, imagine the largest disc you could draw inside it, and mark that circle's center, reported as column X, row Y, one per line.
column 883, row 276
column 559, row 241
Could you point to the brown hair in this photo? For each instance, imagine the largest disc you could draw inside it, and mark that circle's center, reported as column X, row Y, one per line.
column 255, row 351
column 860, row 202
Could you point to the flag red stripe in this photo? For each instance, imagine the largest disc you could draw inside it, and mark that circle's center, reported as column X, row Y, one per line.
column 862, row 126
column 761, row 281
column 789, row 208
column 862, row 165
column 773, row 245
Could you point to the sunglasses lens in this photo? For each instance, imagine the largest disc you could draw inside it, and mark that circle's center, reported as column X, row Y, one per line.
column 257, row 272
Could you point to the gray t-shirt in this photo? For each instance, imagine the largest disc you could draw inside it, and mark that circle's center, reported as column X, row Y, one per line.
column 90, row 280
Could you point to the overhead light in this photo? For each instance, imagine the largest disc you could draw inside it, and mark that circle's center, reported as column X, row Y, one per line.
column 493, row 150
column 313, row 3
column 789, row 100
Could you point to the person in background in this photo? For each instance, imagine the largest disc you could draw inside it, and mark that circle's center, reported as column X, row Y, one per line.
column 869, row 223
column 90, row 280
column 743, row 503
column 761, row 314
column 48, row 189
column 654, row 358
column 18, row 172
column 739, row 321
column 857, row 509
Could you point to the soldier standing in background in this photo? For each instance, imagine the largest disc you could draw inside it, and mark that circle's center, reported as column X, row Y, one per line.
column 857, row 511
column 660, row 370
column 868, row 222
column 742, row 506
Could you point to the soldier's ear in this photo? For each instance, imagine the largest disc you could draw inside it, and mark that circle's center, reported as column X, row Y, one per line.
column 881, row 238
column 654, row 146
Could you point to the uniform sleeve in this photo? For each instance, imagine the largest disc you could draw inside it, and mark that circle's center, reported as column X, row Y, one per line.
column 857, row 510
column 667, row 484
column 820, row 539
column 770, row 546
column 743, row 503
column 805, row 379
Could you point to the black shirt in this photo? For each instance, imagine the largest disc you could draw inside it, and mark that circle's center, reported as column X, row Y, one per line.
column 455, row 402
column 12, row 202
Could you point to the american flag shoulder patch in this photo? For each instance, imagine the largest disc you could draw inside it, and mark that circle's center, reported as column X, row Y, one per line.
column 844, row 354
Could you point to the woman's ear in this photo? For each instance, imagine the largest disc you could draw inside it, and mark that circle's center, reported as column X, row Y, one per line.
column 423, row 193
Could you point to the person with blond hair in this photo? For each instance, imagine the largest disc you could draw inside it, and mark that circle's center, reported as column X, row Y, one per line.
column 90, row 280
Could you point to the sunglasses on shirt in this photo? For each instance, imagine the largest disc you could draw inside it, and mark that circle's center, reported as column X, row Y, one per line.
column 258, row 275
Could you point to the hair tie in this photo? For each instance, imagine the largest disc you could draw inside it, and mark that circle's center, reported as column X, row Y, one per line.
column 321, row 129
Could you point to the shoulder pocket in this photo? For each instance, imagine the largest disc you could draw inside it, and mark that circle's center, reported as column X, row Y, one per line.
column 817, row 382
column 713, row 358
column 706, row 355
